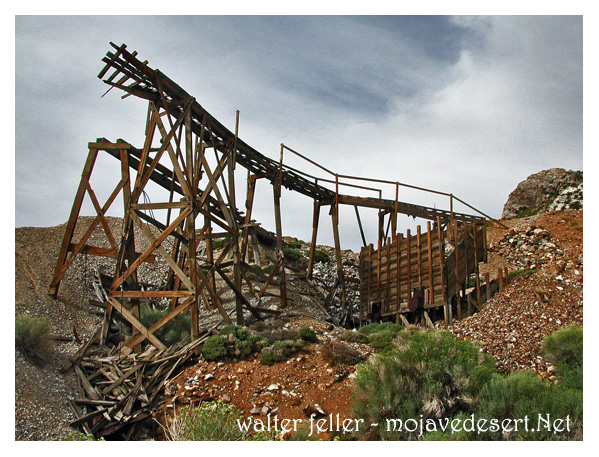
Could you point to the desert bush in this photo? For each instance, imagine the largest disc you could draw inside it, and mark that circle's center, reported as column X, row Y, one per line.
column 218, row 244
column 78, row 436
column 291, row 254
column 32, row 338
column 380, row 336
column 428, row 373
column 320, row 256
column 563, row 348
column 280, row 351
column 232, row 341
column 295, row 244
column 208, row 422
column 268, row 268
column 341, row 354
column 214, row 348
column 521, row 394
column 308, row 334
column 353, row 336
column 176, row 330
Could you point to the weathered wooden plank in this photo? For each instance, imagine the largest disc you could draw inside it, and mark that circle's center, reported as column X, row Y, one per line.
column 81, row 352
column 87, row 417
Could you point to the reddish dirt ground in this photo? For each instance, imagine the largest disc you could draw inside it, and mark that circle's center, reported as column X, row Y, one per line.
column 305, row 384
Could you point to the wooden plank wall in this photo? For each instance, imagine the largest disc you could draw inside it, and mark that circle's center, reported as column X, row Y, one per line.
column 389, row 274
column 416, row 260
column 470, row 249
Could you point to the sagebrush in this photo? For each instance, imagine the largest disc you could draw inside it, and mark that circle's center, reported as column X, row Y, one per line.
column 428, row 373
column 232, row 341
column 32, row 338
column 209, row 422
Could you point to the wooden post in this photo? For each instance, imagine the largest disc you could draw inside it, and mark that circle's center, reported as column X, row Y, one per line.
column 395, row 211
column 398, row 271
column 340, row 274
column 431, row 280
column 255, row 247
column 485, row 243
column 233, row 205
column 190, row 228
column 466, row 269
column 369, row 273
column 488, row 282
column 388, row 270
column 360, row 225
column 315, row 219
column 457, row 268
column 378, row 252
column 478, row 296
column 419, row 256
column 277, row 197
column 409, row 260
column 500, row 277
column 249, row 203
column 447, row 307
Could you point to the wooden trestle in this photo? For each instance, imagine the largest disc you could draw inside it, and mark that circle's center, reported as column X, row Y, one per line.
column 191, row 155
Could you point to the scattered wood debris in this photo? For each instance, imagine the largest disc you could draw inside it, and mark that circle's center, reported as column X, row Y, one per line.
column 119, row 390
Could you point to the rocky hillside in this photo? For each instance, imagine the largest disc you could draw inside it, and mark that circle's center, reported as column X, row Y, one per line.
column 555, row 189
column 543, row 293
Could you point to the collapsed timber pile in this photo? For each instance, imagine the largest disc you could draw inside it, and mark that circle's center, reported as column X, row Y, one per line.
column 117, row 391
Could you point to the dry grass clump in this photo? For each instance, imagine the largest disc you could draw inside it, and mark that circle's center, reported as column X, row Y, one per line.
column 32, row 339
column 341, row 354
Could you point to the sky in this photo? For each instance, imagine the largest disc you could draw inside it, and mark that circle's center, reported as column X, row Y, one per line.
column 469, row 105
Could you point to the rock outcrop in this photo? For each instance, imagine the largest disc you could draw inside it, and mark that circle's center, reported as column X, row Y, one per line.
column 549, row 190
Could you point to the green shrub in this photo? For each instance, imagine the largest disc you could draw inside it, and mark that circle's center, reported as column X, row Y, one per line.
column 377, row 327
column 320, row 256
column 214, row 348
column 218, row 244
column 523, row 272
column 307, row 334
column 280, row 351
column 78, row 436
column 563, row 348
column 291, row 254
column 232, row 341
column 352, row 336
column 521, row 395
column 428, row 373
column 295, row 244
column 268, row 268
column 381, row 336
column 208, row 422
column 176, row 330
column 32, row 338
